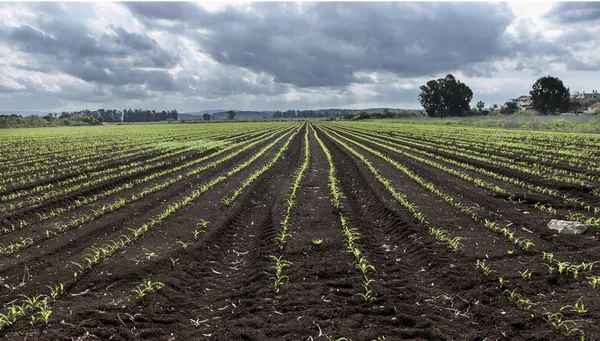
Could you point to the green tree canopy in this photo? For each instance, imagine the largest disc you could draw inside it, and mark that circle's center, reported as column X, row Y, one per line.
column 550, row 96
column 445, row 97
column 231, row 114
column 510, row 108
column 480, row 105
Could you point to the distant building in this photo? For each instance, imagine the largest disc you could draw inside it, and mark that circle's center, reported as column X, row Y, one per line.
column 583, row 98
column 523, row 102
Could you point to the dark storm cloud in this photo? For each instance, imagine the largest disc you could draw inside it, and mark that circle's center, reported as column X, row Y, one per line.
column 165, row 10
column 575, row 12
column 284, row 54
column 65, row 45
column 324, row 44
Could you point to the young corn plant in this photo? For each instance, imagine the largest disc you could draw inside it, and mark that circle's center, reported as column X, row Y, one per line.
column 279, row 276
column 146, row 287
column 485, row 267
column 367, row 295
column 184, row 244
column 579, row 307
column 526, row 273
column 197, row 233
column 512, row 294
column 56, row 290
column 352, row 235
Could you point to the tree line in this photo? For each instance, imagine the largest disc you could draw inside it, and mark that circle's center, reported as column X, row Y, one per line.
column 139, row 115
column 448, row 97
column 127, row 115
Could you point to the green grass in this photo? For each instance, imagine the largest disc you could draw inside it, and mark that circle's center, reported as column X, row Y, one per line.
column 577, row 124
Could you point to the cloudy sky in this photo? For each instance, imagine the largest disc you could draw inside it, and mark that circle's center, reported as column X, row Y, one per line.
column 278, row 56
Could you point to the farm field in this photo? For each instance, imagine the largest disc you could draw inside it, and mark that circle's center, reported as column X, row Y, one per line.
column 298, row 231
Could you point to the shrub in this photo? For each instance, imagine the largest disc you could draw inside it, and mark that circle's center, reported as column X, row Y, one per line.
column 527, row 113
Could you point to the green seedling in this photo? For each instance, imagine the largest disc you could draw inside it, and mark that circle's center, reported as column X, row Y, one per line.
column 197, row 232
column 550, row 268
column 44, row 314
column 57, row 290
column 579, row 307
column 485, row 268
column 279, row 276
column 132, row 317
column 149, row 286
column 317, row 241
column 512, row 295
column 185, row 244
column 594, row 281
column 526, row 274
column 367, row 295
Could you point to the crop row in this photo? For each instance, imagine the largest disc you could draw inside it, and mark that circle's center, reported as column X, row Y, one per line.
column 99, row 254
column 121, row 202
column 351, row 234
column 412, row 152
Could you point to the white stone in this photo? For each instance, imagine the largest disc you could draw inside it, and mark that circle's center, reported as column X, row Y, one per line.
column 567, row 227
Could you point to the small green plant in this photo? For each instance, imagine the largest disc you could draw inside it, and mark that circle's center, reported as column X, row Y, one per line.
column 57, row 290
column 197, row 232
column 579, row 307
column 132, row 317
column 364, row 266
column 562, row 267
column 526, row 274
column 317, row 241
column 550, row 268
column 367, row 295
column 485, row 268
column 594, row 281
column 203, row 223
column 44, row 314
column 174, row 260
column 553, row 318
column 185, row 244
column 279, row 276
column 512, row 295
column 502, row 282
column 144, row 288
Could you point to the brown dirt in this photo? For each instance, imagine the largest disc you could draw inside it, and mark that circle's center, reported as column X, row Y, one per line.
column 220, row 287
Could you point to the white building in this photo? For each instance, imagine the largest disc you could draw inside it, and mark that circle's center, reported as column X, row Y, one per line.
column 523, row 102
column 584, row 98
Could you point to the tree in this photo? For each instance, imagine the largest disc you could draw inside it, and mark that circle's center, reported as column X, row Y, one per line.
column 64, row 115
column 206, row 117
column 480, row 105
column 445, row 97
column 510, row 108
column 550, row 96
column 231, row 114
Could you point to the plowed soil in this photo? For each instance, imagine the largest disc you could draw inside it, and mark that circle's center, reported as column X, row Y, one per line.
column 220, row 287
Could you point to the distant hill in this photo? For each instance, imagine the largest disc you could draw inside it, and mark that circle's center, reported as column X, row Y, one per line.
column 192, row 115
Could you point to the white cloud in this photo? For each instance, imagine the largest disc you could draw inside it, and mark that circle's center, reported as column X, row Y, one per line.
column 284, row 56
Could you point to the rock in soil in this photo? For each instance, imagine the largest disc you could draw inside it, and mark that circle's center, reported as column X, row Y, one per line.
column 567, row 227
